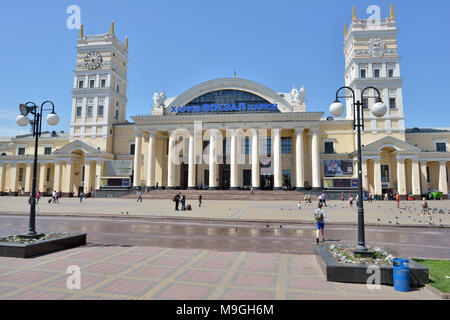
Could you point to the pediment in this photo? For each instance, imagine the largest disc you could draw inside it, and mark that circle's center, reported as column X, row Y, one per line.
column 390, row 142
column 78, row 145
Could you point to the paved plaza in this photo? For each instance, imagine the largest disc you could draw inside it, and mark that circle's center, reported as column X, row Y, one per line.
column 131, row 272
column 377, row 212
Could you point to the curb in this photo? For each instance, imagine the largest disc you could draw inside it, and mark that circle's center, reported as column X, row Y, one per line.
column 442, row 295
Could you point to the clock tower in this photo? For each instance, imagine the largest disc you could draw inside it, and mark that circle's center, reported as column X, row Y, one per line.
column 99, row 97
column 372, row 59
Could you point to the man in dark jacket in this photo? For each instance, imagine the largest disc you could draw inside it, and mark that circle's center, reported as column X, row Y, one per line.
column 177, row 201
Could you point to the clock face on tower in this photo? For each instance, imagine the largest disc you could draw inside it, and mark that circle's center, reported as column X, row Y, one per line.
column 93, row 60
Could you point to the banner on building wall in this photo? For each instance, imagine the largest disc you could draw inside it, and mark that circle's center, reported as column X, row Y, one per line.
column 333, row 168
column 119, row 168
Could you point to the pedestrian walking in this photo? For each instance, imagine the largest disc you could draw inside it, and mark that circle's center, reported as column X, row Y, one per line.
column 157, row 185
column 350, row 200
column 357, row 200
column 397, row 198
column 251, row 191
column 183, row 203
column 54, row 195
column 81, row 196
column 370, row 197
column 299, row 205
column 319, row 217
column 200, row 200
column 324, row 200
column 139, row 196
column 425, row 207
column 342, row 196
column 309, row 198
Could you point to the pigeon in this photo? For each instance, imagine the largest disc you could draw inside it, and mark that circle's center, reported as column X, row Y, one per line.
column 396, row 217
column 121, row 212
column 396, row 222
column 235, row 229
column 127, row 212
column 281, row 227
column 378, row 219
column 390, row 222
column 267, row 225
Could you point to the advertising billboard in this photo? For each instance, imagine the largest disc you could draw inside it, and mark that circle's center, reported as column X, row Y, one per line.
column 119, row 168
column 336, row 168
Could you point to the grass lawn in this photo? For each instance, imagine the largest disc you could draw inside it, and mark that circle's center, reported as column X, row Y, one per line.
column 438, row 270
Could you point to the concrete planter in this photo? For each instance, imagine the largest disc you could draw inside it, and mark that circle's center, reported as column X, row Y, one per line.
column 19, row 250
column 357, row 273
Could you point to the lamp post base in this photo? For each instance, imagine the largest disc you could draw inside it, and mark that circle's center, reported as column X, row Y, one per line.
column 32, row 236
column 364, row 252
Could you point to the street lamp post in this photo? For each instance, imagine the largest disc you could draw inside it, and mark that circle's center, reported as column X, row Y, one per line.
column 379, row 109
column 22, row 120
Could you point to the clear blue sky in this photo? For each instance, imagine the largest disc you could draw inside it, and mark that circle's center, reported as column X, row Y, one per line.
column 175, row 45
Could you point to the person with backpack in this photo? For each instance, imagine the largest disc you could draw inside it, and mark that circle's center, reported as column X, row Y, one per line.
column 200, row 200
column 319, row 217
column 176, row 199
column 139, row 195
column 183, row 203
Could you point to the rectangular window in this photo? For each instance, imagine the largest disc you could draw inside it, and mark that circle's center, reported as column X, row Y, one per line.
column 48, row 150
column 116, row 116
column 365, row 103
column 363, row 73
column 266, row 147
column 245, row 145
column 391, row 73
column 103, row 83
column 392, row 103
column 79, row 109
column 132, row 147
column 376, row 73
column 205, row 144
column 329, row 147
column 21, row 151
column 48, row 174
column 428, row 175
column 100, row 111
column 21, row 175
column 286, row 173
column 247, row 177
column 89, row 111
column 286, row 145
column 385, row 173
column 91, row 83
column 80, row 84
column 441, row 147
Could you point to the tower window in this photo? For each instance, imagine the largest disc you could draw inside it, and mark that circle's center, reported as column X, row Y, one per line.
column 441, row 147
column 48, row 150
column 132, row 148
column 391, row 73
column 91, row 83
column 21, row 151
column 103, row 83
column 79, row 109
column 286, row 145
column 376, row 73
column 365, row 103
column 392, row 103
column 100, row 111
column 116, row 115
column 89, row 111
column 363, row 73
column 80, row 84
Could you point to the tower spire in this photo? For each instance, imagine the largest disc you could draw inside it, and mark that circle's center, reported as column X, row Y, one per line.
column 81, row 30
column 345, row 30
column 354, row 13
column 392, row 12
column 126, row 42
column 112, row 27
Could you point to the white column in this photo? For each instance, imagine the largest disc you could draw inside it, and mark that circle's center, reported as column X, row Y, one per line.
column 57, row 179
column 415, row 179
column 365, row 180
column 151, row 160
column 42, row 174
column 98, row 174
column 423, row 177
column 377, row 177
column 212, row 162
column 170, row 162
column 191, row 164
column 234, row 180
column 2, row 177
column 87, row 177
column 299, row 159
column 137, row 160
column 277, row 177
column 14, row 169
column 443, row 185
column 401, row 179
column 68, row 185
column 315, row 158
column 255, row 160
column 28, row 175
